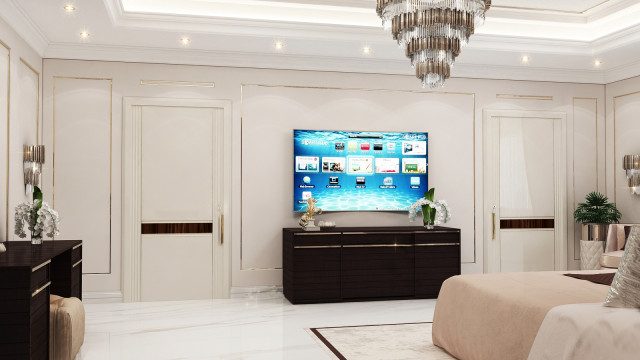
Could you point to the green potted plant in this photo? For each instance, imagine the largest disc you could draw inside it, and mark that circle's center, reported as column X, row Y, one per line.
column 595, row 215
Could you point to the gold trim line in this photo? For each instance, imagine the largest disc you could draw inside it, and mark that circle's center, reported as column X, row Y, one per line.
column 40, row 266
column 33, row 294
column 524, row 97
column 210, row 84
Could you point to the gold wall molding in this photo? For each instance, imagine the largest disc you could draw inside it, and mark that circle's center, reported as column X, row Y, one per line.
column 8, row 135
column 473, row 95
column 210, row 84
column 110, row 153
column 25, row 63
column 615, row 154
column 573, row 160
column 524, row 97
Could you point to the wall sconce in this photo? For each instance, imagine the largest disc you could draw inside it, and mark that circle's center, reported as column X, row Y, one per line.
column 631, row 164
column 33, row 158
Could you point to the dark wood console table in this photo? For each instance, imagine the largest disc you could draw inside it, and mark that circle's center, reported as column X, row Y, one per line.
column 28, row 274
column 368, row 263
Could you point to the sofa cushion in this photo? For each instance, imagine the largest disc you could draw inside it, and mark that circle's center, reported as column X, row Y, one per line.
column 625, row 289
column 67, row 328
column 611, row 259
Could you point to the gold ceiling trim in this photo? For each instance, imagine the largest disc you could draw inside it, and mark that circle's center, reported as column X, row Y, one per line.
column 524, row 97
column 209, row 84
column 549, row 10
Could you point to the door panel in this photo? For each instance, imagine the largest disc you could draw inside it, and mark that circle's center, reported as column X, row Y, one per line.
column 177, row 164
column 526, row 168
column 176, row 267
column 527, row 250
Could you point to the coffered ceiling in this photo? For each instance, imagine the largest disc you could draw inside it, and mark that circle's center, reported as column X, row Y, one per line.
column 561, row 38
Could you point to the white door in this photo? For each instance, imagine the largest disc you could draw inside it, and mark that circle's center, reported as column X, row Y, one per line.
column 524, row 191
column 178, row 230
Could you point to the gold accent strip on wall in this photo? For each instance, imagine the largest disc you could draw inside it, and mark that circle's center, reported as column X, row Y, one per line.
column 473, row 95
column 8, row 135
column 524, row 97
column 178, row 83
column 573, row 161
column 110, row 155
column 37, row 99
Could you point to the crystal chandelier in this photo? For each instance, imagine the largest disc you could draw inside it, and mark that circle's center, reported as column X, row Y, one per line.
column 432, row 32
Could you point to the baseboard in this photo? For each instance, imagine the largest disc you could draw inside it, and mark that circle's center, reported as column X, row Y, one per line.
column 101, row 297
column 243, row 291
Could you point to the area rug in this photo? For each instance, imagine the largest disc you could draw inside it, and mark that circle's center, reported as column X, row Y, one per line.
column 372, row 342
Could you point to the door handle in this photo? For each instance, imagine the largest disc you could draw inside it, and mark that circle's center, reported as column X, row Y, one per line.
column 221, row 229
column 493, row 223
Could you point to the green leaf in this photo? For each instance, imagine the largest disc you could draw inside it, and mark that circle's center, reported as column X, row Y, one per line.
column 597, row 209
column 430, row 194
column 37, row 195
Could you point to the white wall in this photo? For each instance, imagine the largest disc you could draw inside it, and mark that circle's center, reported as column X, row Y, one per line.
column 623, row 138
column 461, row 101
column 20, row 120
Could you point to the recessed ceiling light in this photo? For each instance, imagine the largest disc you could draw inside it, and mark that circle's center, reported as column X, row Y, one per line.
column 69, row 8
column 185, row 41
column 525, row 59
column 366, row 50
column 85, row 34
column 597, row 62
column 279, row 45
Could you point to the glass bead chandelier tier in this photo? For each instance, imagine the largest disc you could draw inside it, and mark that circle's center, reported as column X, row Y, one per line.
column 432, row 32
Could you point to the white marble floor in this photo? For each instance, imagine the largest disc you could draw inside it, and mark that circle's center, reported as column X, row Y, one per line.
column 261, row 327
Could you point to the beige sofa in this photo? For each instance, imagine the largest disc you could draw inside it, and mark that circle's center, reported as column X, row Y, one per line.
column 66, row 327
column 616, row 238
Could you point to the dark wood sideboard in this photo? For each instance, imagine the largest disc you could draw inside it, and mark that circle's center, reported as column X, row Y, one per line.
column 28, row 274
column 368, row 263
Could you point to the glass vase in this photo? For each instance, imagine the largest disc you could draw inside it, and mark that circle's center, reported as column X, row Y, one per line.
column 428, row 216
column 36, row 240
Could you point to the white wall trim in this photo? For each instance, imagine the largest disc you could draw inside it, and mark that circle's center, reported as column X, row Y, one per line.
column 101, row 297
column 131, row 196
column 16, row 17
column 560, row 169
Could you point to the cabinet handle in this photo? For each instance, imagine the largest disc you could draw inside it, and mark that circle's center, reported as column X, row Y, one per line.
column 77, row 246
column 76, row 264
column 377, row 245
column 40, row 289
column 315, row 233
column 439, row 244
column 41, row 265
column 317, row 247
column 493, row 223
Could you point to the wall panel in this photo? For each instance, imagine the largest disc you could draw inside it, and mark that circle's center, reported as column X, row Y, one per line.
column 24, row 130
column 82, row 173
column 269, row 115
column 626, row 132
column 585, row 160
column 5, row 69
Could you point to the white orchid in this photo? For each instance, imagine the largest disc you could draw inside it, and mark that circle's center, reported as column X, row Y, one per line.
column 443, row 212
column 38, row 221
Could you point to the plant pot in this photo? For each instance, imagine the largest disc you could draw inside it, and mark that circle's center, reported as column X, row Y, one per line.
column 594, row 232
column 590, row 252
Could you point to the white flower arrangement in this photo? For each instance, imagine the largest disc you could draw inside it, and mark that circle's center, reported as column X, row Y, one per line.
column 443, row 212
column 40, row 219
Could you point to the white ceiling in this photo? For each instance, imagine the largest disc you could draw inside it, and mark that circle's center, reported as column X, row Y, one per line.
column 562, row 38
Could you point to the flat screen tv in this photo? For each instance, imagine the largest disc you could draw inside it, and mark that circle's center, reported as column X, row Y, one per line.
column 359, row 170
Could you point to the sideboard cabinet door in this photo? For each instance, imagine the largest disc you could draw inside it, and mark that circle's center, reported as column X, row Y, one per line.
column 437, row 259
column 316, row 267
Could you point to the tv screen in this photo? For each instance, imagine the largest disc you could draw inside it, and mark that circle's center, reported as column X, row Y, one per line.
column 359, row 171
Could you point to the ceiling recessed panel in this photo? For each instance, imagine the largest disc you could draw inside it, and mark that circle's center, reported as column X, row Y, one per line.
column 571, row 6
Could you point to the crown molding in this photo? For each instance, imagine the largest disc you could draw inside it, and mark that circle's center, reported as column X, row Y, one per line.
column 308, row 62
column 15, row 16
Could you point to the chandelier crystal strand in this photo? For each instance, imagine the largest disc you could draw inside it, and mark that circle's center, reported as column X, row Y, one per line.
column 432, row 32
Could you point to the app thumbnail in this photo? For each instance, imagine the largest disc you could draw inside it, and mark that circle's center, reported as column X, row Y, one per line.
column 307, row 163
column 333, row 164
column 387, row 165
column 360, row 165
column 414, row 148
column 414, row 166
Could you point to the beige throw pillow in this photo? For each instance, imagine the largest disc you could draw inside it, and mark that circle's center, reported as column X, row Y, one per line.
column 625, row 289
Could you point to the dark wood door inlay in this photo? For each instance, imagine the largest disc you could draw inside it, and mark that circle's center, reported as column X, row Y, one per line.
column 177, row 228
column 527, row 224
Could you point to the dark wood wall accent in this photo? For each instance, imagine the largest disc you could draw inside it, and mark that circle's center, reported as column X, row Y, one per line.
column 177, row 228
column 527, row 224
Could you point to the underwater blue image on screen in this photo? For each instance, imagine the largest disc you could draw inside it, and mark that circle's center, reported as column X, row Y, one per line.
column 352, row 170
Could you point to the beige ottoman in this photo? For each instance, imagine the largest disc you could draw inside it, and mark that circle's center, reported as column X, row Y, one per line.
column 66, row 327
